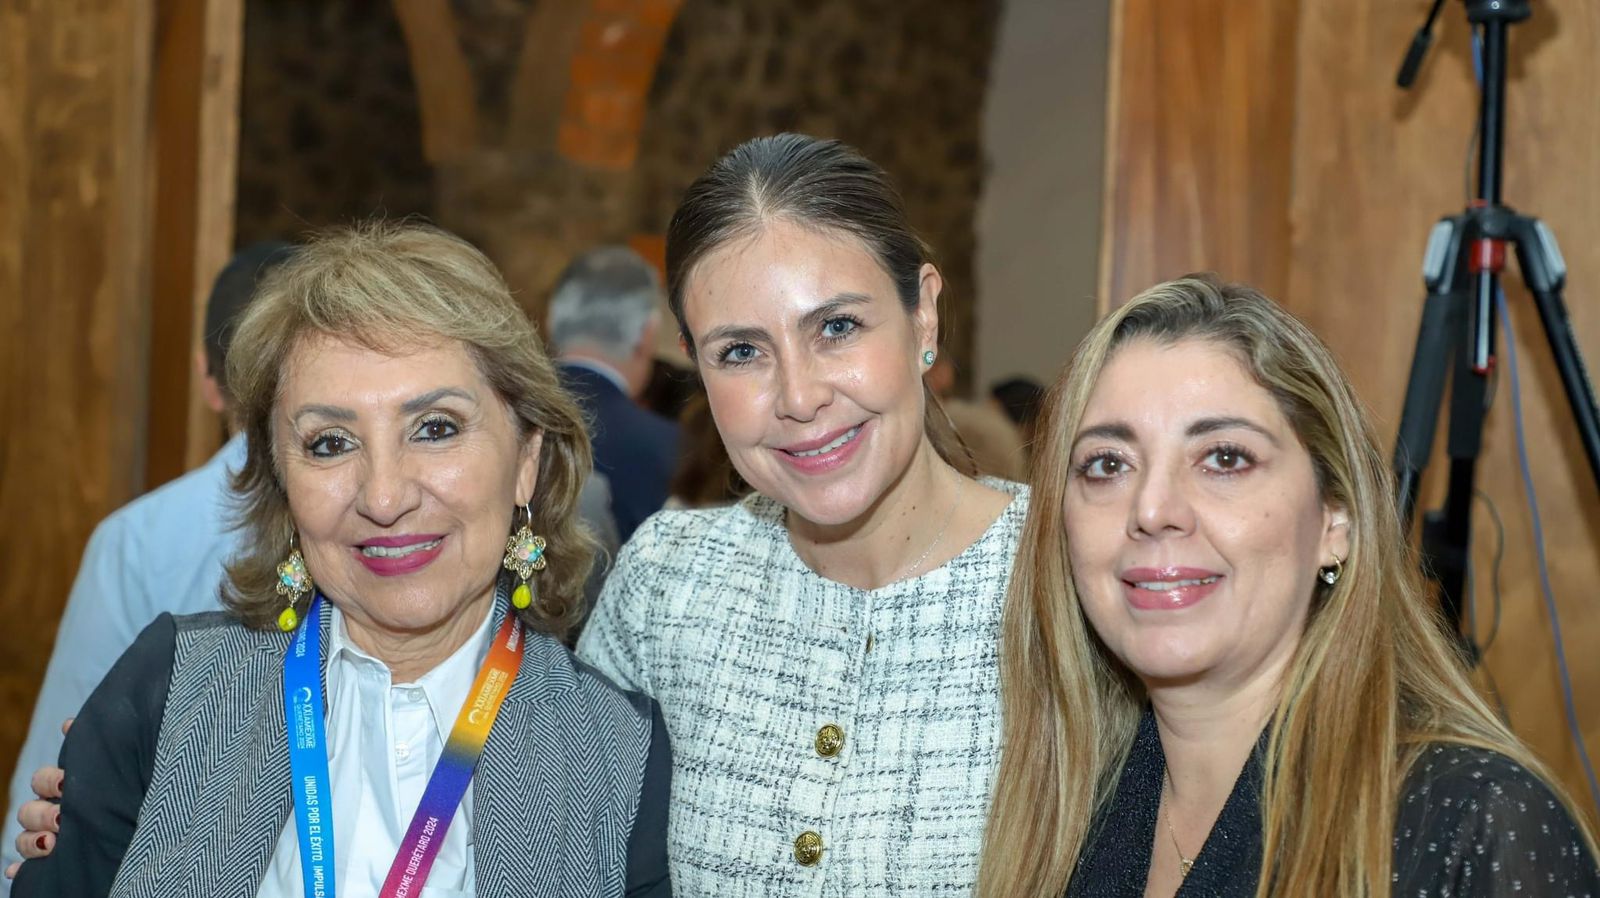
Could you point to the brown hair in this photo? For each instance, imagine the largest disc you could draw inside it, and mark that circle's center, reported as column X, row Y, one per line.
column 705, row 476
column 385, row 286
column 822, row 184
column 1373, row 679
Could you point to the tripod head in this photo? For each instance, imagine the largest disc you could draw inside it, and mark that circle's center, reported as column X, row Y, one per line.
column 1492, row 18
column 1487, row 216
column 1479, row 12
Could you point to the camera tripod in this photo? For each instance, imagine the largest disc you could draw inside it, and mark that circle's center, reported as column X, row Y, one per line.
column 1465, row 256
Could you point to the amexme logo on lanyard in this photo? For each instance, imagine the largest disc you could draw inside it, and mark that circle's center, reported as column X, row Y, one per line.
column 308, row 759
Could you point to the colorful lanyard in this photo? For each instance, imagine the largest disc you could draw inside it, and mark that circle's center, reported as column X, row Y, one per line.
column 308, row 760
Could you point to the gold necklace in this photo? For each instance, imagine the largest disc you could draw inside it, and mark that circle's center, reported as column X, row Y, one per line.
column 1185, row 864
column 937, row 537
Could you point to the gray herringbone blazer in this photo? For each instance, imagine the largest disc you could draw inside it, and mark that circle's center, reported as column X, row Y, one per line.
column 178, row 776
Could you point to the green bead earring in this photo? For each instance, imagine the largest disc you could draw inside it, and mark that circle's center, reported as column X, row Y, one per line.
column 928, row 356
column 294, row 581
column 524, row 555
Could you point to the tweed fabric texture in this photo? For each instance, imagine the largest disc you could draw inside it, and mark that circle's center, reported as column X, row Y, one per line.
column 749, row 653
column 555, row 793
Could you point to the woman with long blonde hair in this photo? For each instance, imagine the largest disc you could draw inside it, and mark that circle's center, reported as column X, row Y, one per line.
column 1221, row 672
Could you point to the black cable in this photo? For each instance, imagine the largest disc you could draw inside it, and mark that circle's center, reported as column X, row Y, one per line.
column 1494, row 571
column 1481, row 650
column 1494, row 692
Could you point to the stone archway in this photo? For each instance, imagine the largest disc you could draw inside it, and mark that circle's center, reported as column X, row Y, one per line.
column 534, row 157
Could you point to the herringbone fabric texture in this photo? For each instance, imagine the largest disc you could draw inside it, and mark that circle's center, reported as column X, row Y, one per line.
column 749, row 653
column 555, row 793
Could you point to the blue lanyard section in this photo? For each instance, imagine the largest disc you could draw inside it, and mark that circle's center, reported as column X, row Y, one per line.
column 308, row 754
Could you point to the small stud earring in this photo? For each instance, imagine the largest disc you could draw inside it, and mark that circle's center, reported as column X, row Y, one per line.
column 524, row 555
column 1330, row 575
column 294, row 581
column 928, row 356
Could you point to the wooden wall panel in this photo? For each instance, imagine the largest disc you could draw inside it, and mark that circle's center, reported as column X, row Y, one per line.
column 74, row 236
column 1373, row 169
column 1200, row 117
column 216, row 177
column 1333, row 222
column 196, row 137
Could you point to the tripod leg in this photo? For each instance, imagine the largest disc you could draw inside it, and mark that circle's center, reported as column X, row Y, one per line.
column 1419, row 416
column 1447, row 533
column 1545, row 273
column 1574, row 377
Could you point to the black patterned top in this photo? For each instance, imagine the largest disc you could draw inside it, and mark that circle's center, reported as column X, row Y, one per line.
column 1472, row 824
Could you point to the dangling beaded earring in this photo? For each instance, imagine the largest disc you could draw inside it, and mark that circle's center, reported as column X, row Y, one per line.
column 1330, row 575
column 524, row 555
column 294, row 581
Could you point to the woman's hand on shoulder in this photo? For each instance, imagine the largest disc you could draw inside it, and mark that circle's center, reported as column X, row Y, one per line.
column 40, row 818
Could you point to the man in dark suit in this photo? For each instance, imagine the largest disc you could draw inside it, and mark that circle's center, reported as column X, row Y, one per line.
column 603, row 319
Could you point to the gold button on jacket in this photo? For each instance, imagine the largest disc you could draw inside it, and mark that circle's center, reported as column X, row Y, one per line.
column 808, row 849
column 829, row 740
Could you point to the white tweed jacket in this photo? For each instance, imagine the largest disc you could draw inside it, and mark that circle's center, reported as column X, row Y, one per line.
column 751, row 654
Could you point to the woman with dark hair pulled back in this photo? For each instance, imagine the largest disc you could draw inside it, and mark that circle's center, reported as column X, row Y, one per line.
column 824, row 651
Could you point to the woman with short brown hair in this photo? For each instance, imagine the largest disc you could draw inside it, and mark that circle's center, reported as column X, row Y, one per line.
column 390, row 651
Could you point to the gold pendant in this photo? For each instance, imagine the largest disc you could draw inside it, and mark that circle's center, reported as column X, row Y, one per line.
column 524, row 553
column 1184, row 866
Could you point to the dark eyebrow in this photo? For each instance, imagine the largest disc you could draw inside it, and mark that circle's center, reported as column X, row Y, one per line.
column 1114, row 431
column 1211, row 425
column 810, row 320
column 432, row 397
column 734, row 332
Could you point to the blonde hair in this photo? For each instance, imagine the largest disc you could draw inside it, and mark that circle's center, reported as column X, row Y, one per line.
column 1373, row 664
column 384, row 286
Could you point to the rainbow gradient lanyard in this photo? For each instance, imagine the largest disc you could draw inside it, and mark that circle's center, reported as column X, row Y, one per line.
column 308, row 760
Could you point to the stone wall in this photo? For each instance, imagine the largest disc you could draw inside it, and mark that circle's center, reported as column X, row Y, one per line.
column 328, row 129
column 903, row 81
column 332, row 129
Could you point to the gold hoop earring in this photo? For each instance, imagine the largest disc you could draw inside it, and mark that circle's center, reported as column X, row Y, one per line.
column 524, row 555
column 294, row 581
column 1330, row 575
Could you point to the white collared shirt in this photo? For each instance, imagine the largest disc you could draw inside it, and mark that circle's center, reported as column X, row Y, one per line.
column 383, row 742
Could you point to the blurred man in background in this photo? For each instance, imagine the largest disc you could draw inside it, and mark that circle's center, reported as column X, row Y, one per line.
column 603, row 319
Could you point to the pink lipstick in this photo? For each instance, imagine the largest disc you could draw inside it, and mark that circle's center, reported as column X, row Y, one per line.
column 1168, row 588
column 824, row 453
column 391, row 556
